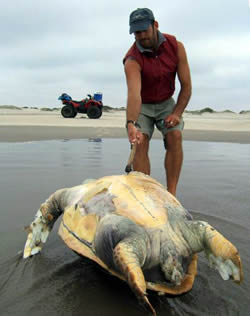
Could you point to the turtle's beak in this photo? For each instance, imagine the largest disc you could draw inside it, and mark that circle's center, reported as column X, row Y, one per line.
column 223, row 255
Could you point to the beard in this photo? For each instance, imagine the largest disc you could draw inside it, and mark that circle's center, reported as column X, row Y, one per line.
column 150, row 43
column 147, row 43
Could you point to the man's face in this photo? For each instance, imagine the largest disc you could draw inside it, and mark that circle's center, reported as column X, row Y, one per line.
column 147, row 38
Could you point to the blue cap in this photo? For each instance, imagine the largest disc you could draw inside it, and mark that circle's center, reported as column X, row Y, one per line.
column 140, row 20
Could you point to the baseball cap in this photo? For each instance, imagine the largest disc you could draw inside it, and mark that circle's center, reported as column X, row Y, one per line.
column 140, row 19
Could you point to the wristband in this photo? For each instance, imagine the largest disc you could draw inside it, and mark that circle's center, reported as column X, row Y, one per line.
column 132, row 122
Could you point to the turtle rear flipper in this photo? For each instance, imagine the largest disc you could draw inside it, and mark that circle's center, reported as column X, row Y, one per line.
column 127, row 261
column 222, row 255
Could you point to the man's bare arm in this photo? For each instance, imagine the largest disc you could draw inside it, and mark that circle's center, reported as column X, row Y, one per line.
column 184, row 77
column 133, row 76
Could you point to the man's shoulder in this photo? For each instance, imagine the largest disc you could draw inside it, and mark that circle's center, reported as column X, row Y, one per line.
column 171, row 42
column 132, row 48
column 133, row 53
column 173, row 39
column 169, row 36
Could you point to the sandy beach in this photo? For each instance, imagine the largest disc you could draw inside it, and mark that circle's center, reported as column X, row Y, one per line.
column 34, row 124
column 214, row 187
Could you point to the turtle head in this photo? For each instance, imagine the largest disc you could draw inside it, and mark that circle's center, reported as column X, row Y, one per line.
column 222, row 254
column 172, row 269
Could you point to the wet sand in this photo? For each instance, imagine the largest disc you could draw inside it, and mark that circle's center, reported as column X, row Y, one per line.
column 214, row 181
column 33, row 125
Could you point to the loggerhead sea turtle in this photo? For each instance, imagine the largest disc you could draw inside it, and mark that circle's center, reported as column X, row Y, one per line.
column 132, row 227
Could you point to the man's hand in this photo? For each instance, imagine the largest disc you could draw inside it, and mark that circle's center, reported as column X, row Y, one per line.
column 134, row 135
column 172, row 120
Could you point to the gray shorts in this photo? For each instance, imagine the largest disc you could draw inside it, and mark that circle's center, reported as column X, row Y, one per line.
column 151, row 114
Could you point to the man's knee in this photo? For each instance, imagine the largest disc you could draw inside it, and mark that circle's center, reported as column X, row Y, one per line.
column 173, row 140
column 144, row 144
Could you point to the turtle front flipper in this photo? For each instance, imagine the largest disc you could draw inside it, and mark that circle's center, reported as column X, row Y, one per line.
column 46, row 216
column 222, row 254
column 38, row 232
column 39, row 229
column 128, row 262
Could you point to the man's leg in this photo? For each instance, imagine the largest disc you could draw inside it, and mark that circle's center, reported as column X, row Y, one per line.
column 141, row 160
column 173, row 159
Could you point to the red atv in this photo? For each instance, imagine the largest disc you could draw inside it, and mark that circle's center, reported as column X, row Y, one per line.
column 92, row 106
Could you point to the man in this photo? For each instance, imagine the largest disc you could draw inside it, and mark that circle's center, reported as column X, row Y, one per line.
column 151, row 65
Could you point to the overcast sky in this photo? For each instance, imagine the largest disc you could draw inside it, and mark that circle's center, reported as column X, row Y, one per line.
column 52, row 46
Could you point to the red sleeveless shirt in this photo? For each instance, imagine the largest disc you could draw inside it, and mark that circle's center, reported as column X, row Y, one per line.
column 158, row 70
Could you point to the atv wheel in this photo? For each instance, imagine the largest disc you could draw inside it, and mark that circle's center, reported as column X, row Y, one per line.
column 68, row 111
column 94, row 112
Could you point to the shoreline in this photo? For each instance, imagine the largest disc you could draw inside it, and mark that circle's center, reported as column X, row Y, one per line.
column 18, row 133
column 34, row 125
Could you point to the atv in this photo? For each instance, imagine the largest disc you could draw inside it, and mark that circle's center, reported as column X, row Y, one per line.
column 92, row 106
